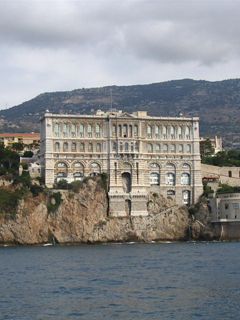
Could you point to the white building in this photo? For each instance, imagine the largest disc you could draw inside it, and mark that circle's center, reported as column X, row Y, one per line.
column 225, row 207
column 138, row 152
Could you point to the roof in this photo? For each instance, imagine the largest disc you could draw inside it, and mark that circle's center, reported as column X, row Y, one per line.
column 23, row 135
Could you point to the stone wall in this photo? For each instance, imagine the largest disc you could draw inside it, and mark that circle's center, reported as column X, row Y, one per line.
column 223, row 173
column 226, row 230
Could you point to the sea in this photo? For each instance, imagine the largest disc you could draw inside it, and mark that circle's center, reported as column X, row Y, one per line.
column 187, row 280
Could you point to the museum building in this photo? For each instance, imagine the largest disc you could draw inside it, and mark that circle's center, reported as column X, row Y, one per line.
column 140, row 154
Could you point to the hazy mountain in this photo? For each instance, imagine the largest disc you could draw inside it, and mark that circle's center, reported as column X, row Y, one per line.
column 217, row 104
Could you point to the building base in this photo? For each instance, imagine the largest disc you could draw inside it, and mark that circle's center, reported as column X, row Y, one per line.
column 128, row 204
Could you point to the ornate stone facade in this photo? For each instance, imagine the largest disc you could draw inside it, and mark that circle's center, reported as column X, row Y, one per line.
column 139, row 153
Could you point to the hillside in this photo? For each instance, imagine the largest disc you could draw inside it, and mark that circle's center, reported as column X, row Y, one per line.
column 217, row 104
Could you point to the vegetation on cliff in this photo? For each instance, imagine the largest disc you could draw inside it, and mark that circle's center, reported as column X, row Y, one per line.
column 229, row 158
column 9, row 161
column 225, row 188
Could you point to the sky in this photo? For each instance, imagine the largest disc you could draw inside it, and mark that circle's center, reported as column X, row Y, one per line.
column 58, row 45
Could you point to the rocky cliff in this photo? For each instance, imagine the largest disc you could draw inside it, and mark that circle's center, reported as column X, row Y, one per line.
column 201, row 226
column 82, row 217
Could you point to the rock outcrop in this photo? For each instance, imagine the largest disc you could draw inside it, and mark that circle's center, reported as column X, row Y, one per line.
column 83, row 217
column 201, row 227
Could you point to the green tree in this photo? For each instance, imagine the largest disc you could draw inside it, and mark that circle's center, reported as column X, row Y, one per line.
column 17, row 146
column 62, row 184
column 206, row 148
column 9, row 161
column 28, row 154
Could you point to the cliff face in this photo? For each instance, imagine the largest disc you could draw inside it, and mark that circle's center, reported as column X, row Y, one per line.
column 83, row 217
column 201, row 226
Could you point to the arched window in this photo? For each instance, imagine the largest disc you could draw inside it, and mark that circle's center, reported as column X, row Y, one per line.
column 114, row 146
column 135, row 130
column 114, row 130
column 170, row 179
column 74, row 147
column 62, row 165
column 89, row 130
column 180, row 132
column 65, row 129
column 95, row 169
column 78, row 171
column 170, row 166
column 90, row 147
column 119, row 130
column 126, row 147
column 172, row 132
column 154, row 166
column 186, row 197
column 79, row 166
column 136, row 146
column 125, row 130
column 187, row 132
column 81, row 130
column 98, row 131
column 78, row 176
column 130, row 131
column 154, row 178
column 57, row 129
column 150, row 148
column 185, row 179
column 126, row 182
column 172, row 148
column 57, row 147
column 165, row 148
column 164, row 131
column 65, row 147
column 98, row 147
column 120, row 147
column 61, row 176
column 188, row 148
column 157, row 148
column 149, row 131
column 132, row 147
column 180, row 148
column 186, row 166
column 62, row 171
column 157, row 132
column 82, row 147
column 171, row 193
column 73, row 130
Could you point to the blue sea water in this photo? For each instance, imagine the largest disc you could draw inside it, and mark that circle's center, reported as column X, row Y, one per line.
column 121, row 281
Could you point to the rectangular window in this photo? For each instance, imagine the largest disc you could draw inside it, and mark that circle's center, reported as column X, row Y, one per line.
column 135, row 130
column 235, row 205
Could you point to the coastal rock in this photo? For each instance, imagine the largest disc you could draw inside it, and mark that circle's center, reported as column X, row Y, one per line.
column 82, row 217
column 201, row 224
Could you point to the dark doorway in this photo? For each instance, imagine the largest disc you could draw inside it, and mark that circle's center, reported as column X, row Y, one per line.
column 128, row 207
column 126, row 182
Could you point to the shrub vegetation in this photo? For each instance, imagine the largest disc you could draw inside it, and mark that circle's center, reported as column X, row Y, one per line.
column 225, row 188
column 228, row 158
column 54, row 201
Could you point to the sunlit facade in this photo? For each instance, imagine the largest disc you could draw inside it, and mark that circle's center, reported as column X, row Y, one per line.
column 140, row 154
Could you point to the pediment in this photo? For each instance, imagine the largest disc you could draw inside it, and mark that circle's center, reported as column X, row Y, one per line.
column 126, row 115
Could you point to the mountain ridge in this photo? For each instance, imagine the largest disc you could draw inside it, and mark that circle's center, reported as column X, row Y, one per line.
column 217, row 103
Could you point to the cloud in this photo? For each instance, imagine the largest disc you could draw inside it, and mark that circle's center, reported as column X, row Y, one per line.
column 64, row 44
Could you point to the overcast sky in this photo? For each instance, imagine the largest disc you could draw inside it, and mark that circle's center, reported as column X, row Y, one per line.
column 57, row 45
